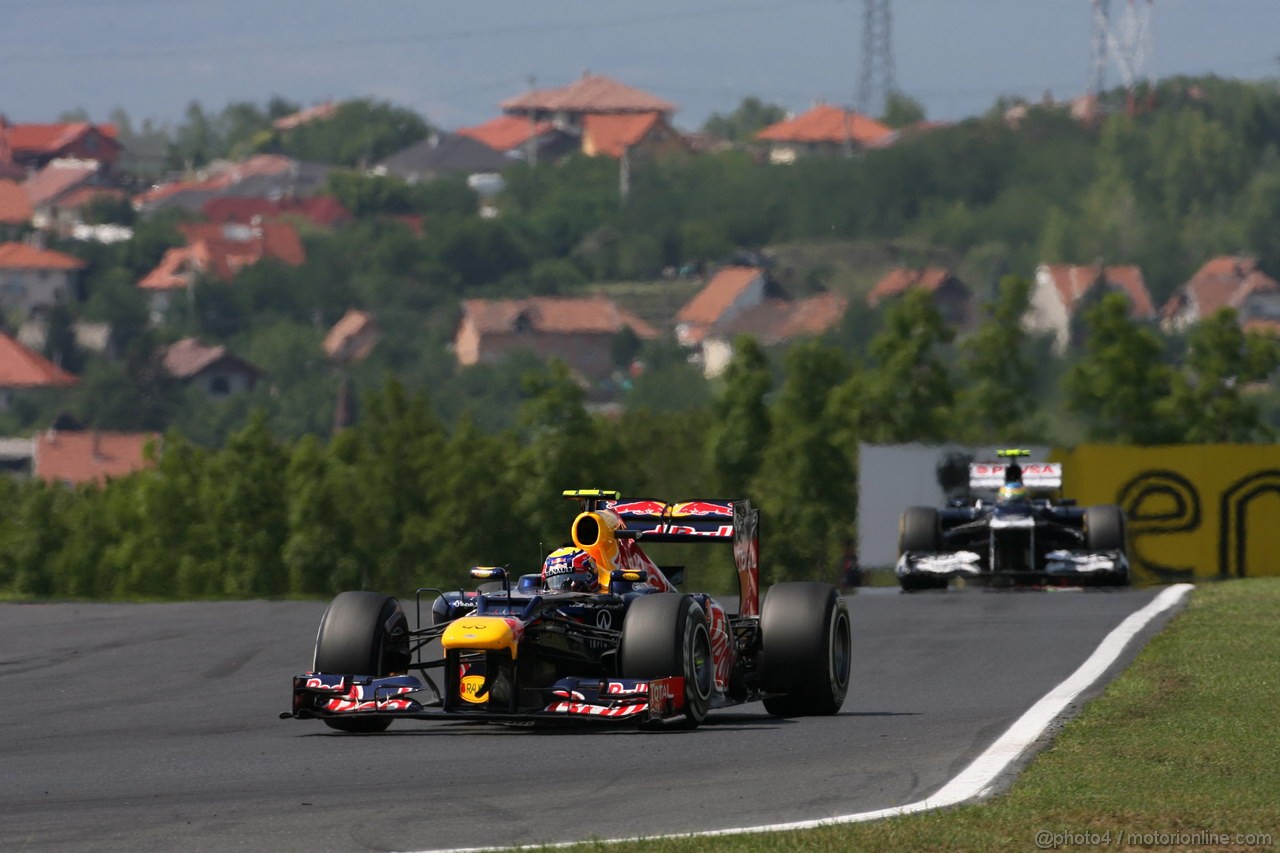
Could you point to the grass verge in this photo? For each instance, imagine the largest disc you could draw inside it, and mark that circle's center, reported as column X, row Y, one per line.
column 1182, row 751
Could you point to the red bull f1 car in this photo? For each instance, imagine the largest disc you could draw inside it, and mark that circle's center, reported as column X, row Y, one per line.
column 1012, row 530
column 635, row 649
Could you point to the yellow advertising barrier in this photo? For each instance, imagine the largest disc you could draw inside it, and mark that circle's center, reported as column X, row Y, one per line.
column 1194, row 511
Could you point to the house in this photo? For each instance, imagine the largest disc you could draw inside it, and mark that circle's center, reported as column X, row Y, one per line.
column 443, row 154
column 272, row 176
column 89, row 336
column 215, row 370
column 22, row 369
column 9, row 170
column 1230, row 281
column 618, row 135
column 731, row 291
column 578, row 330
column 33, row 146
column 217, row 251
column 60, row 192
column 15, row 208
column 1062, row 292
column 951, row 296
column 607, row 118
column 16, row 455
column 521, row 138
column 825, row 131
column 772, row 322
column 32, row 278
column 74, row 457
column 352, row 338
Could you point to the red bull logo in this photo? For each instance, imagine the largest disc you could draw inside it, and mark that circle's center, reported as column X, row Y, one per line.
column 638, row 507
column 701, row 508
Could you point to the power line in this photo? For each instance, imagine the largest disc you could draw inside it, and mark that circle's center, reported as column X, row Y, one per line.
column 274, row 46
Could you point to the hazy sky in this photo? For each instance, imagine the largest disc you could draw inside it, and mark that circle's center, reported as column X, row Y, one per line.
column 454, row 62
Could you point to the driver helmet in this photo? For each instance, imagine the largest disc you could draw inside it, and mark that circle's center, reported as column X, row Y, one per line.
column 570, row 569
column 1012, row 492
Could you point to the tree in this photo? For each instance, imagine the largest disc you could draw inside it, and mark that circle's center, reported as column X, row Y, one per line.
column 806, row 485
column 997, row 400
column 741, row 125
column 1117, row 386
column 562, row 448
column 741, row 427
column 1210, row 401
column 901, row 110
column 906, row 393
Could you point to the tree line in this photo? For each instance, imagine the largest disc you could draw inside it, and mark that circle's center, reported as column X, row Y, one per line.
column 405, row 499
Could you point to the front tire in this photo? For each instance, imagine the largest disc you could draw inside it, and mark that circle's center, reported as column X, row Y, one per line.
column 919, row 529
column 362, row 633
column 807, row 649
column 666, row 634
column 1104, row 528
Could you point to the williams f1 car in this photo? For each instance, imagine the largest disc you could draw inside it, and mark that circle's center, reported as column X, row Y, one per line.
column 1012, row 530
column 633, row 648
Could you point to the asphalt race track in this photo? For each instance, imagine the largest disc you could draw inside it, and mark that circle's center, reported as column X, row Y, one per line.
column 155, row 728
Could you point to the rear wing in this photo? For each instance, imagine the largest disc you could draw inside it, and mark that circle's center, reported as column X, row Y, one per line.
column 1036, row 476
column 715, row 520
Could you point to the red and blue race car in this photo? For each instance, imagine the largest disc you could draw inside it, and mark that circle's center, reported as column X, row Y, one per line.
column 633, row 649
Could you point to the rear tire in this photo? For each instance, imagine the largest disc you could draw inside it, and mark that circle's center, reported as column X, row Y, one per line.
column 807, row 649
column 666, row 634
column 362, row 633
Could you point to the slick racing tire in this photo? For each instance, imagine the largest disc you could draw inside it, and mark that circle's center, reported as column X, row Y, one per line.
column 919, row 530
column 1104, row 531
column 666, row 634
column 807, row 649
column 362, row 633
column 1104, row 528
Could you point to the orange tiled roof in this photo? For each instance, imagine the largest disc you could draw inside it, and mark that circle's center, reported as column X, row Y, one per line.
column 15, row 208
column 1073, row 282
column 83, row 457
column 322, row 209
column 340, row 342
column 221, row 251
column 310, row 114
column 901, row 279
column 826, row 123
column 592, row 93
column 20, row 367
column 506, row 133
column 612, row 135
column 227, row 175
column 554, row 315
column 188, row 357
column 1261, row 326
column 172, row 271
column 776, row 320
column 20, row 256
column 709, row 303
column 52, row 138
column 81, row 196
column 815, row 315
column 57, row 178
column 1223, row 282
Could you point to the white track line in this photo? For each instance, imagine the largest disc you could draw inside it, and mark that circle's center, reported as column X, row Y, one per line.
column 980, row 776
